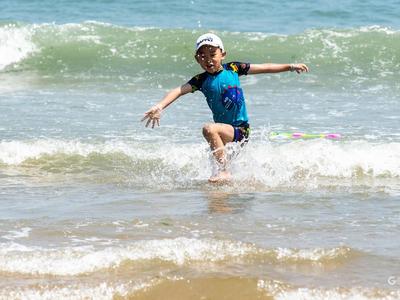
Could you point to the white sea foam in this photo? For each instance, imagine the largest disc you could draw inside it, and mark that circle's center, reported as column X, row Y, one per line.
column 314, row 255
column 15, row 44
column 16, row 152
column 80, row 260
column 281, row 291
column 307, row 160
column 17, row 234
column 273, row 164
column 378, row 28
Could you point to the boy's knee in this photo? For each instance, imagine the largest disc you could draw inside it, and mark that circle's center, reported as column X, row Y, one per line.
column 208, row 129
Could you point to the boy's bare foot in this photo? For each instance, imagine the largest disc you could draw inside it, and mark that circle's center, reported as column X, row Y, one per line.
column 221, row 177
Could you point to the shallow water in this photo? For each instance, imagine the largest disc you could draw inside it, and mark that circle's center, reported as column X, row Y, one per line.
column 95, row 206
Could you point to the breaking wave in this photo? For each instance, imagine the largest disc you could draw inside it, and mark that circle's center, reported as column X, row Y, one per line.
column 94, row 50
column 291, row 164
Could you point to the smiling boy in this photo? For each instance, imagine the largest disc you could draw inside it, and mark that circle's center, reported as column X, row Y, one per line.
column 220, row 85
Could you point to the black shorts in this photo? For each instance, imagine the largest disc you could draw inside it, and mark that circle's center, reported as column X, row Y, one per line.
column 241, row 133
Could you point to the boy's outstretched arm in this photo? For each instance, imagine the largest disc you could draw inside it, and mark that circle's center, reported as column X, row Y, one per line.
column 154, row 113
column 276, row 68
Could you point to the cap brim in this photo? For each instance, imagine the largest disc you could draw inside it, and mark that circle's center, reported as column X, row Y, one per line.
column 210, row 44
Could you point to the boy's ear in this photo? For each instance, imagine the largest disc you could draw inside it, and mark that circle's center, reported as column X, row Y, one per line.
column 223, row 54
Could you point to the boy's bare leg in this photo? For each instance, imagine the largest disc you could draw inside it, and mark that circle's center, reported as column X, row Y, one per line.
column 217, row 136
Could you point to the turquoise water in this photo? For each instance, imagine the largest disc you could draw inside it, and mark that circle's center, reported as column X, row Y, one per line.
column 94, row 205
column 255, row 16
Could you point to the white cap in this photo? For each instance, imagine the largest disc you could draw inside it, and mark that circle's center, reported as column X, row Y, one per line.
column 209, row 39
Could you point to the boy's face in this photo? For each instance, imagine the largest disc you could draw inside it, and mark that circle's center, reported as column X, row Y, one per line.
column 210, row 58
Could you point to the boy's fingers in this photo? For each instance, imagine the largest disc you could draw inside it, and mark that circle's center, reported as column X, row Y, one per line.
column 148, row 122
column 144, row 118
column 301, row 68
column 156, row 121
column 152, row 116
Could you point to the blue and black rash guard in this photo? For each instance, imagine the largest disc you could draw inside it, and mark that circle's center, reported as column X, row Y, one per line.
column 223, row 93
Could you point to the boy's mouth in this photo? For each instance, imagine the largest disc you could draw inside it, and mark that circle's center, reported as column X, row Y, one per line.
column 210, row 66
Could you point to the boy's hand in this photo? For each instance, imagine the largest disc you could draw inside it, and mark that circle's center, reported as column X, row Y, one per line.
column 153, row 115
column 299, row 68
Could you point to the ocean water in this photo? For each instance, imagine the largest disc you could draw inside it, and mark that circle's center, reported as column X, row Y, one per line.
column 93, row 205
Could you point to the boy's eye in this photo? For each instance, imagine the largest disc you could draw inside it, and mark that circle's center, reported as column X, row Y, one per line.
column 206, row 56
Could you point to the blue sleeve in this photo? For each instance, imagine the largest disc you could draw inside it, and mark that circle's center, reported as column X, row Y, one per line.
column 238, row 67
column 197, row 81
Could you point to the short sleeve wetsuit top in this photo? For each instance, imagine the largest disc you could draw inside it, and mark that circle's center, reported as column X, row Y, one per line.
column 224, row 94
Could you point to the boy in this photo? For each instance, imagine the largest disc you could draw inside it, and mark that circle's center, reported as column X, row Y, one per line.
column 221, row 86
